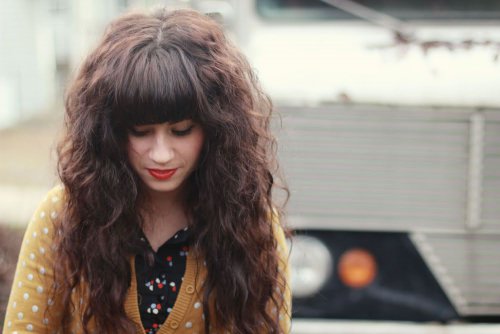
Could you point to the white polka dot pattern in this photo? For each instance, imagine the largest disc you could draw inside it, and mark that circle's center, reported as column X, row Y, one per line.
column 30, row 297
column 30, row 294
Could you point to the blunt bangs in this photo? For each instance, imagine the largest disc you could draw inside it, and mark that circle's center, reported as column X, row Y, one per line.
column 154, row 85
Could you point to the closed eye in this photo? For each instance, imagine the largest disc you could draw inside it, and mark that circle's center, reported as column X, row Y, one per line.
column 139, row 132
column 183, row 132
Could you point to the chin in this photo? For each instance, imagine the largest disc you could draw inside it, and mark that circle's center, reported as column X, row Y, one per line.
column 162, row 186
column 161, row 189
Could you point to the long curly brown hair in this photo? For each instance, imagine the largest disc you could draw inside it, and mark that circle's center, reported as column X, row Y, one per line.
column 165, row 67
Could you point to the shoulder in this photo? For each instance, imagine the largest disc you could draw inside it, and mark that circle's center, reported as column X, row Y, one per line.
column 52, row 204
column 41, row 225
column 280, row 233
column 279, row 228
column 46, row 214
column 283, row 289
column 54, row 198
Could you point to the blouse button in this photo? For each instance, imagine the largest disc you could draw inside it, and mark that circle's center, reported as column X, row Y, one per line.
column 190, row 289
column 174, row 324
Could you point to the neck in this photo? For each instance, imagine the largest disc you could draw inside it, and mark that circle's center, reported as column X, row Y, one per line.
column 164, row 214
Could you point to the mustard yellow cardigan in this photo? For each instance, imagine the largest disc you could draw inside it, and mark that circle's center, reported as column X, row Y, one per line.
column 30, row 295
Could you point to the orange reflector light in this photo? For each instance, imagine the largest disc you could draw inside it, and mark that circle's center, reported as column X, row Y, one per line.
column 357, row 268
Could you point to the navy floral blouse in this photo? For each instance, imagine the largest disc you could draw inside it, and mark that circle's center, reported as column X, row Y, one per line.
column 159, row 277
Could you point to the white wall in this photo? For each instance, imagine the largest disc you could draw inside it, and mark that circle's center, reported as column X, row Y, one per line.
column 44, row 41
column 27, row 64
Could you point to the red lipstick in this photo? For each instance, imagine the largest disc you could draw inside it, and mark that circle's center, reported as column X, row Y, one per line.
column 162, row 174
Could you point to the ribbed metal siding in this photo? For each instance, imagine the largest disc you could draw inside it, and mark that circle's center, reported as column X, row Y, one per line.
column 491, row 173
column 376, row 168
column 388, row 169
column 467, row 267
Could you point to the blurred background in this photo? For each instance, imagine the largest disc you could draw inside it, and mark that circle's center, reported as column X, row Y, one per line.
column 389, row 138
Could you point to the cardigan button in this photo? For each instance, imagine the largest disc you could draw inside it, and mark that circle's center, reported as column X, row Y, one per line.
column 174, row 324
column 190, row 289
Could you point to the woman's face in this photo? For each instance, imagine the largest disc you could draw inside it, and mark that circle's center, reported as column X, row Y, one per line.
column 164, row 155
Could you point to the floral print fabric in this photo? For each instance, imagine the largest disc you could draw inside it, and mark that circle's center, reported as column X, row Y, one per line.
column 159, row 277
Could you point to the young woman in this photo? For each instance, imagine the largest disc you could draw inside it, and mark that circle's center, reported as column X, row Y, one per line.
column 164, row 222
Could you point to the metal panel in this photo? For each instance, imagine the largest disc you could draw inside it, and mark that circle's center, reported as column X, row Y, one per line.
column 435, row 173
column 376, row 168
column 467, row 266
column 491, row 172
column 324, row 326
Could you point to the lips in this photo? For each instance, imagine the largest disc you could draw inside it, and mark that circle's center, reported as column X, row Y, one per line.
column 162, row 174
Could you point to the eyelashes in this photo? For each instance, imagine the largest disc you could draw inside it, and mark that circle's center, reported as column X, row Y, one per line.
column 139, row 132
column 183, row 132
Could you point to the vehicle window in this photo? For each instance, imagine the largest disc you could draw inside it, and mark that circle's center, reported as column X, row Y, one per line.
column 405, row 10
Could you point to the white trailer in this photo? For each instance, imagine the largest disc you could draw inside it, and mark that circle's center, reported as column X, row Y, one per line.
column 390, row 142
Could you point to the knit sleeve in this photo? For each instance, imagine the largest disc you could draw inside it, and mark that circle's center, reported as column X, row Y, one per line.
column 31, row 308
column 285, row 313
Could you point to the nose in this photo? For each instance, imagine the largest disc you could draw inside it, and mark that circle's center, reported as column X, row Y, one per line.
column 161, row 151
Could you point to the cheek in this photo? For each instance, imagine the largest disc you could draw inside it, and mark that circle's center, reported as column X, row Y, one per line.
column 191, row 149
column 135, row 146
column 198, row 145
column 131, row 157
column 133, row 151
